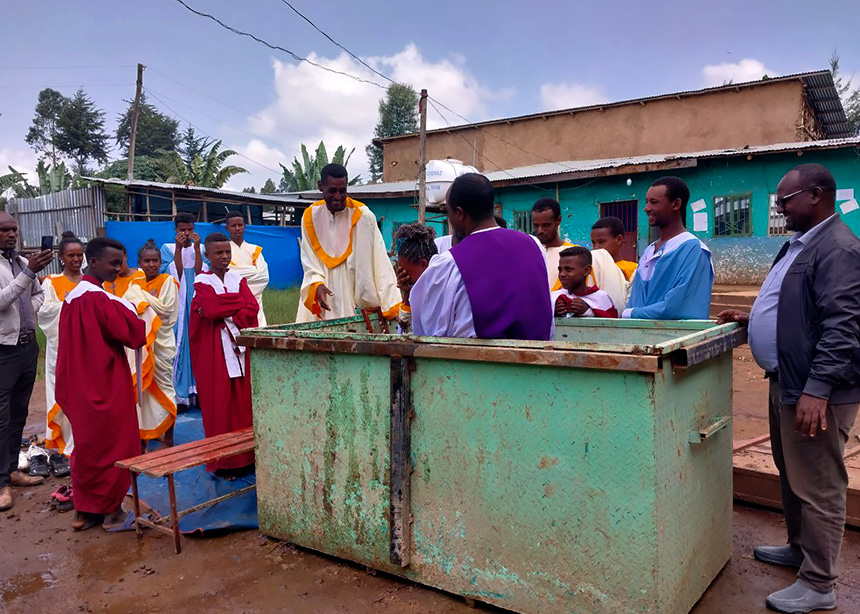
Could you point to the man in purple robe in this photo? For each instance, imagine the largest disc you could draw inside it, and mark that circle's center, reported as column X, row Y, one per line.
column 492, row 284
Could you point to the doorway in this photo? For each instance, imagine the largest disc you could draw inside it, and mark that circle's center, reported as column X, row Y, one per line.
column 628, row 212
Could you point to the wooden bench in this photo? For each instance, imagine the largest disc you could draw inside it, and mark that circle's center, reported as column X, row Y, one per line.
column 164, row 463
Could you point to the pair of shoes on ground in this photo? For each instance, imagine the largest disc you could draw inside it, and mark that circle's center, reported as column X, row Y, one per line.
column 112, row 523
column 43, row 463
column 62, row 500
column 797, row 598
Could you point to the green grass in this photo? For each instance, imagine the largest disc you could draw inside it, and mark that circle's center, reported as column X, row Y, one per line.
column 281, row 305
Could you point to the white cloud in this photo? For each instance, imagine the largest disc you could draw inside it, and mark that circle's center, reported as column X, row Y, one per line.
column 556, row 96
column 745, row 70
column 320, row 105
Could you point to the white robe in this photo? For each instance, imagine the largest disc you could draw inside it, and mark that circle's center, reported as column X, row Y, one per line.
column 156, row 409
column 59, row 430
column 248, row 262
column 346, row 253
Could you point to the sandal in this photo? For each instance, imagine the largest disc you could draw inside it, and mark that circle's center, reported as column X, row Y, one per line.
column 126, row 525
column 83, row 522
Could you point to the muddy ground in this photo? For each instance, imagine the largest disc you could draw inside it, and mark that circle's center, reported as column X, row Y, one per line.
column 45, row 567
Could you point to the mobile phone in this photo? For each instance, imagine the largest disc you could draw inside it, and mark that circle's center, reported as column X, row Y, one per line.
column 47, row 242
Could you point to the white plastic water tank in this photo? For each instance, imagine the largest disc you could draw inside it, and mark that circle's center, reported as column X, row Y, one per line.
column 440, row 175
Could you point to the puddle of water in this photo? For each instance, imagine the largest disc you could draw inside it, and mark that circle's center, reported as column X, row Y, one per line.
column 21, row 585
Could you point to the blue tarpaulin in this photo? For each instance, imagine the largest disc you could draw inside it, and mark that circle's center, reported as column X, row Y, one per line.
column 196, row 485
column 280, row 245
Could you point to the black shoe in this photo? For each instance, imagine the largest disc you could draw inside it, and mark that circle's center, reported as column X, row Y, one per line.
column 39, row 466
column 60, row 465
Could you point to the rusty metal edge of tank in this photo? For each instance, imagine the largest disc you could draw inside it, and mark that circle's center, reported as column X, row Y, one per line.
column 369, row 449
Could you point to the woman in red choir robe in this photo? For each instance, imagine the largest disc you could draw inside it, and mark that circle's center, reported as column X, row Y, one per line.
column 222, row 305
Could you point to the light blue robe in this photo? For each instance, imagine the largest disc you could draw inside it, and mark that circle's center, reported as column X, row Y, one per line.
column 677, row 285
column 183, row 375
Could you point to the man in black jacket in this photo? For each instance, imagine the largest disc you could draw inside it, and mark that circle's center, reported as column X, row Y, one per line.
column 804, row 331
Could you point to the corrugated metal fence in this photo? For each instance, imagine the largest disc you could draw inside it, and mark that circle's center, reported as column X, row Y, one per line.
column 80, row 211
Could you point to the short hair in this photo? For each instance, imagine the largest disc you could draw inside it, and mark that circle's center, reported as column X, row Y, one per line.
column 501, row 221
column 184, row 218
column 474, row 194
column 577, row 250
column 148, row 246
column 68, row 238
column 97, row 246
column 231, row 214
column 816, row 175
column 215, row 237
column 613, row 224
column 675, row 188
column 547, row 204
column 336, row 171
column 415, row 241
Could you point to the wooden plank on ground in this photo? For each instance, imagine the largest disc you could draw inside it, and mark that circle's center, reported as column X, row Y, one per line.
column 756, row 479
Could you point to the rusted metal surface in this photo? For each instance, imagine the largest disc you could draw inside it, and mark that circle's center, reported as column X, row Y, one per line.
column 709, row 348
column 543, row 479
column 401, row 461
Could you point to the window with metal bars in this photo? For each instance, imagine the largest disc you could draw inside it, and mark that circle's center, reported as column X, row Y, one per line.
column 733, row 215
column 523, row 221
column 775, row 221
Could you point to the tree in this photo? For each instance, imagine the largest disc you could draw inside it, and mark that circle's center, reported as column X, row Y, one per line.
column 305, row 174
column 398, row 114
column 850, row 95
column 205, row 171
column 249, row 190
column 80, row 132
column 42, row 135
column 155, row 130
column 269, row 187
column 191, row 145
column 145, row 169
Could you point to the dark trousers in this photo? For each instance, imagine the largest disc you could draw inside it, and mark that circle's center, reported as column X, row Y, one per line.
column 17, row 375
column 814, row 484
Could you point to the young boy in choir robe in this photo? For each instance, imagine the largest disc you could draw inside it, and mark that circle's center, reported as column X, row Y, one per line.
column 157, row 409
column 416, row 245
column 675, row 275
column 576, row 298
column 183, row 260
column 248, row 260
column 608, row 233
column 57, row 287
column 492, row 284
column 223, row 304
column 94, row 388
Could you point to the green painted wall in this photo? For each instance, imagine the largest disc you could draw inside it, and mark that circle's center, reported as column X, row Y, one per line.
column 737, row 260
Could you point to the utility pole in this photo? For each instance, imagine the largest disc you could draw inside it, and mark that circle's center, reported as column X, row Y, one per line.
column 135, row 111
column 422, row 159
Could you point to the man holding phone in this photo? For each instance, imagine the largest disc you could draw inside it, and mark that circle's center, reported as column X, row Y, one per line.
column 20, row 298
column 184, row 261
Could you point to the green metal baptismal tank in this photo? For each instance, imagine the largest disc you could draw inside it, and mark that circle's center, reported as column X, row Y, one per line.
column 589, row 474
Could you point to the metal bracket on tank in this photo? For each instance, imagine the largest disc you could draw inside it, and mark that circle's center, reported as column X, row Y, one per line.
column 702, row 435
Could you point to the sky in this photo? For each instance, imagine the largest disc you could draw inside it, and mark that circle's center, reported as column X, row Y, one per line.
column 480, row 59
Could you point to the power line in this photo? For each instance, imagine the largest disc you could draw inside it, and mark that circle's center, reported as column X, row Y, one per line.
column 172, row 110
column 229, row 106
column 63, row 67
column 75, row 85
column 295, row 56
column 190, row 108
column 374, row 70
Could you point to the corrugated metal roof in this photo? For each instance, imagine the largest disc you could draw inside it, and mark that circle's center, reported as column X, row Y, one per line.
column 583, row 169
column 818, row 84
column 193, row 190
